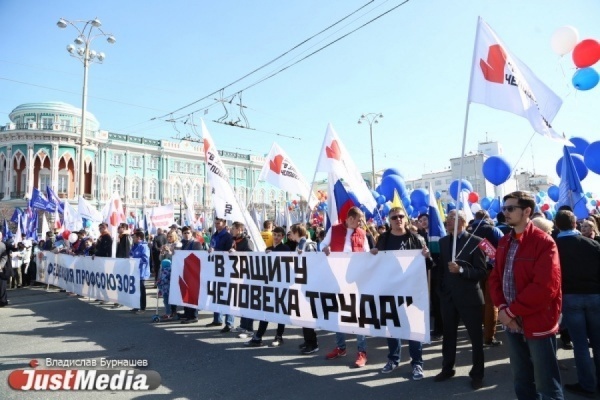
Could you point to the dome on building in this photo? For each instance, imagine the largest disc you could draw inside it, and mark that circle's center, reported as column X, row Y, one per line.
column 53, row 107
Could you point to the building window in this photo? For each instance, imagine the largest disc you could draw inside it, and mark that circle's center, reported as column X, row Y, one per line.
column 117, row 159
column 188, row 168
column 47, row 123
column 44, row 180
column 198, row 169
column 153, row 190
column 230, row 172
column 242, row 173
column 117, row 186
column 65, row 124
column 63, row 182
column 135, row 189
column 186, row 189
column 438, row 182
column 153, row 163
column 136, row 162
column 197, row 194
column 176, row 166
column 176, row 191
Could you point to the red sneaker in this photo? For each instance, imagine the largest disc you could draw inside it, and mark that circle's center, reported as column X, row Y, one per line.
column 335, row 353
column 361, row 359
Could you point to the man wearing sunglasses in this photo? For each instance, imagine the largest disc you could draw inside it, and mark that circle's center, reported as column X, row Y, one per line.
column 400, row 238
column 347, row 237
column 525, row 285
column 461, row 296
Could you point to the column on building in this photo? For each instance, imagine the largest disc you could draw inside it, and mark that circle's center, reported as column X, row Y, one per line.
column 30, row 163
column 9, row 167
column 54, row 168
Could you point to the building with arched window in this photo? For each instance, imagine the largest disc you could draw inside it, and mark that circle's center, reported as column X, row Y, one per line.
column 40, row 147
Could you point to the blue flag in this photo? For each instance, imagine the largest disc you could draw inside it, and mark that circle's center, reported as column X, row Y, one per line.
column 436, row 226
column 570, row 189
column 16, row 215
column 53, row 199
column 38, row 201
column 32, row 227
column 5, row 231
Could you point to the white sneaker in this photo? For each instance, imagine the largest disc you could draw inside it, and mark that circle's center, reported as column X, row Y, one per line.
column 417, row 373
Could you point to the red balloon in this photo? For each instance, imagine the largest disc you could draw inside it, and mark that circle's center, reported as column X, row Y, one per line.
column 545, row 207
column 586, row 53
column 473, row 197
column 295, row 202
column 66, row 234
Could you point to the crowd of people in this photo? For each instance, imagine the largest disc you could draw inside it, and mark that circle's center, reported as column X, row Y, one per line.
column 541, row 280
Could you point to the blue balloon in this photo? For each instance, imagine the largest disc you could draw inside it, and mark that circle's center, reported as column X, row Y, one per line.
column 389, row 183
column 585, row 79
column 406, row 201
column 495, row 205
column 486, row 202
column 414, row 214
column 385, row 210
column 465, row 186
column 582, row 170
column 580, row 145
column 409, row 209
column 418, row 197
column 392, row 171
column 593, row 202
column 588, row 195
column 592, row 157
column 496, row 170
column 548, row 215
column 450, row 206
column 553, row 192
column 542, row 193
column 423, row 210
column 438, row 194
column 492, row 213
column 538, row 199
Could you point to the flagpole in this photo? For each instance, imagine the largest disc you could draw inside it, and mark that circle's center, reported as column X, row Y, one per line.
column 464, row 142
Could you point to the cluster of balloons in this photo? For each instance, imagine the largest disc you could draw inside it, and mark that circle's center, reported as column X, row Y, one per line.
column 292, row 205
column 70, row 236
column 585, row 53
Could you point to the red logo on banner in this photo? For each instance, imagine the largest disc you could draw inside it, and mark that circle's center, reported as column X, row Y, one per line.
column 189, row 284
column 493, row 69
column 334, row 150
column 275, row 163
column 488, row 249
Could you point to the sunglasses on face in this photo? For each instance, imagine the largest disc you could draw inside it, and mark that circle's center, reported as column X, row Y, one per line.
column 510, row 208
column 395, row 217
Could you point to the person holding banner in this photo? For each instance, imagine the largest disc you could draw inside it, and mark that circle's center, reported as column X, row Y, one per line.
column 461, row 296
column 141, row 250
column 256, row 341
column 104, row 242
column 221, row 241
column 241, row 242
column 190, row 315
column 400, row 238
column 347, row 237
column 5, row 273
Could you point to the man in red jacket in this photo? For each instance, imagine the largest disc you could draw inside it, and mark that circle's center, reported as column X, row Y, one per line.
column 525, row 285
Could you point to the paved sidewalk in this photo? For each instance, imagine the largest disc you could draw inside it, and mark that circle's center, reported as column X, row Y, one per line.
column 201, row 363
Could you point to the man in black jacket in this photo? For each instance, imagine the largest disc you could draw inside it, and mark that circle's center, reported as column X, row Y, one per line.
column 461, row 296
column 5, row 273
column 104, row 242
column 580, row 270
column 157, row 244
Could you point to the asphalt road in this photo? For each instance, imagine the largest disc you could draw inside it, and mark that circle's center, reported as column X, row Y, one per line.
column 200, row 363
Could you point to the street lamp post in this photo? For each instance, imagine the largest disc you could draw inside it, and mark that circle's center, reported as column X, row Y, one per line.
column 371, row 118
column 90, row 31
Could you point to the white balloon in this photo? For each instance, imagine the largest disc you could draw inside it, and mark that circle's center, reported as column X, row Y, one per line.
column 73, row 237
column 564, row 40
column 475, row 207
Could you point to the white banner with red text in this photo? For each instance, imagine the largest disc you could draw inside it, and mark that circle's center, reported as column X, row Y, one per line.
column 382, row 295
column 108, row 279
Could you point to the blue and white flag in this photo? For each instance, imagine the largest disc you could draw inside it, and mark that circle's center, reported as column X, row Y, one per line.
column 17, row 214
column 53, row 198
column 38, row 201
column 436, row 226
column 570, row 190
column 5, row 231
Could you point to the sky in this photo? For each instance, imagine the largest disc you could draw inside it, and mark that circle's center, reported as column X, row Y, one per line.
column 411, row 64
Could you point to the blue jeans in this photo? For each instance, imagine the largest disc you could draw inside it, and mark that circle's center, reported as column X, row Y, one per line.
column 361, row 341
column 415, row 349
column 581, row 314
column 218, row 318
column 535, row 368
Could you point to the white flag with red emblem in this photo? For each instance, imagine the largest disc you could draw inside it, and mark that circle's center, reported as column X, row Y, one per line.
column 500, row 80
column 336, row 161
column 114, row 214
column 280, row 171
column 226, row 203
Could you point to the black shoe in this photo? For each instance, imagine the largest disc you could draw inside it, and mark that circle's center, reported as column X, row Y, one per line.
column 213, row 324
column 493, row 343
column 226, row 329
column 436, row 337
column 189, row 321
column 303, row 346
column 444, row 375
column 576, row 388
column 476, row 383
column 134, row 310
column 254, row 343
column 3, row 304
column 309, row 349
